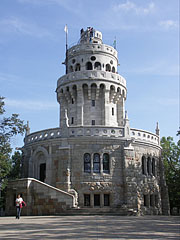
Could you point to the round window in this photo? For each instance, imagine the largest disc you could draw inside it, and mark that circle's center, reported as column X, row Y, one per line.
column 111, row 62
column 93, row 58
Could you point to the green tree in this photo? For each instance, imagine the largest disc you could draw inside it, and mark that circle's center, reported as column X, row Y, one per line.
column 15, row 172
column 9, row 127
column 171, row 158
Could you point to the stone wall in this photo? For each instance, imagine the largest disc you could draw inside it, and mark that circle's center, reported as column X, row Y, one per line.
column 41, row 198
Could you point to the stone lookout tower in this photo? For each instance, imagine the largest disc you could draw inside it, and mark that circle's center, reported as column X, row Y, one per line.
column 93, row 162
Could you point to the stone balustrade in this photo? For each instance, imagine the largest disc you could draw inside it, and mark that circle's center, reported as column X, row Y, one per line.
column 94, row 74
column 144, row 136
column 92, row 47
column 91, row 131
column 55, row 133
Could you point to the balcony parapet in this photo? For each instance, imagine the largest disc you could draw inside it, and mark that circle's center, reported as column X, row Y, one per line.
column 92, row 74
column 92, row 47
column 144, row 136
column 92, row 131
column 87, row 131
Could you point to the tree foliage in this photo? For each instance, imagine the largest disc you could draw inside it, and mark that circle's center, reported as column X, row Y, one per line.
column 9, row 127
column 171, row 158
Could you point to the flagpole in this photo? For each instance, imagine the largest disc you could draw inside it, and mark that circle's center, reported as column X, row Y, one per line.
column 66, row 31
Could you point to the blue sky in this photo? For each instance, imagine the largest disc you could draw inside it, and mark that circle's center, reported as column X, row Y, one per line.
column 32, row 48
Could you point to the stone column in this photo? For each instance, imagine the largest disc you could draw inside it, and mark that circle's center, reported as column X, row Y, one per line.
column 120, row 111
column 130, row 180
column 106, row 108
column 63, row 105
column 80, row 103
column 31, row 169
column 49, row 167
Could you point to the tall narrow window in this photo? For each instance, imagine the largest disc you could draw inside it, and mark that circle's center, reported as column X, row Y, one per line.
column 87, row 162
column 78, row 67
column 106, row 163
column 97, row 66
column 143, row 162
column 153, row 167
column 106, row 200
column 146, row 200
column 96, row 163
column 156, row 200
column 152, row 200
column 72, row 101
column 42, row 172
column 87, row 200
column 149, row 166
column 93, row 122
column 88, row 66
column 93, row 103
column 112, row 111
column 108, row 67
column 96, row 200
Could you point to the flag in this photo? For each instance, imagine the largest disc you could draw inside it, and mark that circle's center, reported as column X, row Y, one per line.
column 66, row 28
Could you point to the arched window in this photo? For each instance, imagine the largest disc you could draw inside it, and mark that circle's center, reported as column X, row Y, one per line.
column 88, row 66
column 106, row 163
column 153, row 167
column 96, row 163
column 108, row 67
column 71, row 69
column 113, row 69
column 149, row 170
column 42, row 172
column 87, row 162
column 97, row 66
column 143, row 162
column 78, row 67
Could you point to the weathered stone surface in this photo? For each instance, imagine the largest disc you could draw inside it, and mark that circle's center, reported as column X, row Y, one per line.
column 94, row 127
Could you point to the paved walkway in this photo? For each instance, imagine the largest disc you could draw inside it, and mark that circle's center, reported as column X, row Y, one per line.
column 90, row 227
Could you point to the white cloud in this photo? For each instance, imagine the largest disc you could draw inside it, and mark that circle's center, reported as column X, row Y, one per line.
column 132, row 7
column 168, row 101
column 30, row 105
column 16, row 25
column 168, row 24
column 160, row 68
column 69, row 5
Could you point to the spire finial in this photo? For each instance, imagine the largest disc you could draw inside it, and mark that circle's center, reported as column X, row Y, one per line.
column 157, row 128
column 27, row 128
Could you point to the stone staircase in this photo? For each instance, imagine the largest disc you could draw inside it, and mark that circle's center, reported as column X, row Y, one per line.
column 41, row 198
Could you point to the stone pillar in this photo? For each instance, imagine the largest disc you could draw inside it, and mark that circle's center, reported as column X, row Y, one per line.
column 106, row 107
column 120, row 111
column 145, row 166
column 31, row 166
column 49, row 166
column 130, row 180
column 63, row 105
column 64, row 171
column 80, row 103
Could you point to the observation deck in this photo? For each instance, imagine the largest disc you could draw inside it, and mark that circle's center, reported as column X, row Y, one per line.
column 92, row 131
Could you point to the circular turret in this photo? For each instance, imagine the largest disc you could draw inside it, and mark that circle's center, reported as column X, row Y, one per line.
column 92, row 91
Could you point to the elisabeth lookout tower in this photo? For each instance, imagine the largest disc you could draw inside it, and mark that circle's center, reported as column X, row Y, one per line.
column 94, row 162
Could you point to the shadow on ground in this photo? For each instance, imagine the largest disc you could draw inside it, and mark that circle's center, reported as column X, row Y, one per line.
column 90, row 227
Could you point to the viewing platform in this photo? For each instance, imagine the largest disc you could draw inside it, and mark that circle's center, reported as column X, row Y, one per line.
column 92, row 131
column 95, row 75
